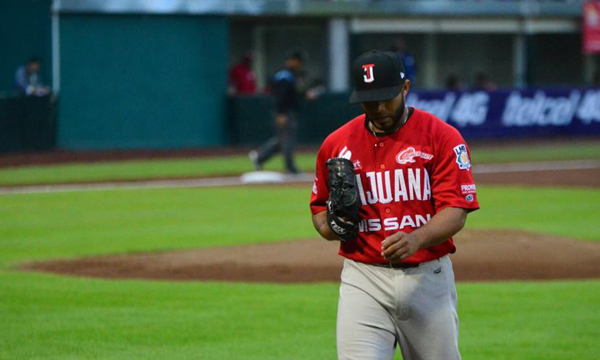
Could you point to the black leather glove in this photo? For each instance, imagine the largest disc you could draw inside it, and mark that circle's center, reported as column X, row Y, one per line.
column 344, row 200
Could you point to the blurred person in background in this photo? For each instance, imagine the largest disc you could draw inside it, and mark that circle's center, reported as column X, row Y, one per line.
column 453, row 83
column 407, row 59
column 242, row 80
column 288, row 87
column 482, row 82
column 28, row 80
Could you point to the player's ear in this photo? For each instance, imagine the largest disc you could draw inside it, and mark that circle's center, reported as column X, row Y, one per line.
column 406, row 87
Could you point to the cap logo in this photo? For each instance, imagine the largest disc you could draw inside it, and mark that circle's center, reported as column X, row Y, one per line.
column 368, row 76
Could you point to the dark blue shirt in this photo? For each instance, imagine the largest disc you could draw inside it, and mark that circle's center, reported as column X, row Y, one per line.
column 285, row 91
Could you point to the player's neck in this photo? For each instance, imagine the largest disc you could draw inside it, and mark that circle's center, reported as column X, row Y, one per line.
column 377, row 132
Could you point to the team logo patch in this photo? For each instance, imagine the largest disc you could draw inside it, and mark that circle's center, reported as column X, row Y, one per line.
column 409, row 155
column 314, row 189
column 469, row 197
column 462, row 157
column 368, row 77
column 357, row 165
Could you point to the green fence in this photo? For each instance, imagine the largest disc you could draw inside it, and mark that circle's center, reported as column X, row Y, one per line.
column 24, row 32
column 139, row 81
column 30, row 123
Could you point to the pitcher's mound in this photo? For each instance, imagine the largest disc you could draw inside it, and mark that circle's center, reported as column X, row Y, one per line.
column 482, row 255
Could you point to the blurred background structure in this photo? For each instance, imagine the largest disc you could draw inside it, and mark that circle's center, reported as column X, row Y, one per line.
column 157, row 74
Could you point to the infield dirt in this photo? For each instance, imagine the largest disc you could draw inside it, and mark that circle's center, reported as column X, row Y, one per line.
column 482, row 255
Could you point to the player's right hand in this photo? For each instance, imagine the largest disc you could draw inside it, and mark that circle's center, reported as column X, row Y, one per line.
column 399, row 246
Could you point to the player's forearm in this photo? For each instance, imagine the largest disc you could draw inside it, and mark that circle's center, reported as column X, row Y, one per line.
column 320, row 223
column 442, row 226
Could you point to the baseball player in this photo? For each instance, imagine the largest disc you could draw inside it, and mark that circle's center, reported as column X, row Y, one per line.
column 393, row 185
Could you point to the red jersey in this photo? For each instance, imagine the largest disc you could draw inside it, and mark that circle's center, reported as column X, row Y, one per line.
column 404, row 179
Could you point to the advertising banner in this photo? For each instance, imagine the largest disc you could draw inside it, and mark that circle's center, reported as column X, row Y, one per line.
column 514, row 113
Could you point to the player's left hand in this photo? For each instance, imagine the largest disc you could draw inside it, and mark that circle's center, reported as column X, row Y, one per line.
column 399, row 246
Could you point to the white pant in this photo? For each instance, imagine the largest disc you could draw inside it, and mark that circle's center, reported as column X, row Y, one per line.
column 381, row 307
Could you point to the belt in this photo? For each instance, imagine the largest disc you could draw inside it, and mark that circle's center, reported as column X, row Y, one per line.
column 396, row 266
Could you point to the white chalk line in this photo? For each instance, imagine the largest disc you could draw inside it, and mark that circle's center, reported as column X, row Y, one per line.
column 302, row 178
column 145, row 184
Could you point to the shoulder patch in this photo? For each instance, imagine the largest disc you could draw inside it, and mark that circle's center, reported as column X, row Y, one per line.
column 462, row 157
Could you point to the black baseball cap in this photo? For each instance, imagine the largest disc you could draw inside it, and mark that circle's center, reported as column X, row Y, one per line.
column 377, row 76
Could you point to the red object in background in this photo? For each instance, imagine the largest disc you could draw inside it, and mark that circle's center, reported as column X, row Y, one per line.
column 242, row 79
column 591, row 27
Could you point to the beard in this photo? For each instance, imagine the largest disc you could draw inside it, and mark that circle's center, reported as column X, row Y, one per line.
column 384, row 126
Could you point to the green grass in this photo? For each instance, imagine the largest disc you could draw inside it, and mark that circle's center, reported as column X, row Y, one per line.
column 506, row 321
column 49, row 317
column 526, row 153
column 172, row 168
column 568, row 212
column 140, row 169
column 86, row 223
column 102, row 222
column 53, row 317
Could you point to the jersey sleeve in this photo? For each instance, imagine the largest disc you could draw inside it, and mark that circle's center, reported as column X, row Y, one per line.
column 452, row 182
column 320, row 190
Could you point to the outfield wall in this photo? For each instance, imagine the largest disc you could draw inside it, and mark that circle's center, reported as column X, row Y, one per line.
column 29, row 123
column 142, row 81
column 507, row 113
column 24, row 32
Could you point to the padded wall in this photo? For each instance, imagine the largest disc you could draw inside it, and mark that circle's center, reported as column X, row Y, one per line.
column 139, row 81
column 25, row 31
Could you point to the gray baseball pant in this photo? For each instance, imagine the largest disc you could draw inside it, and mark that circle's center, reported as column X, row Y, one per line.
column 381, row 307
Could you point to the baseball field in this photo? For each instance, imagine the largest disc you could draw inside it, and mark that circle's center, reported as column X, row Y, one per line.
column 172, row 258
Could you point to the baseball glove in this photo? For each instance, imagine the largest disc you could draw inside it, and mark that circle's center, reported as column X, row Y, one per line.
column 344, row 201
